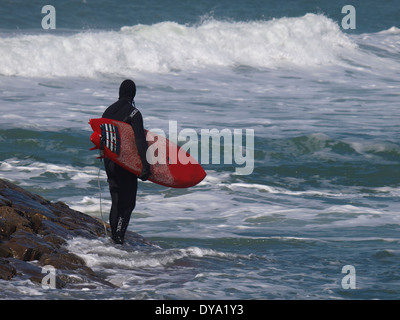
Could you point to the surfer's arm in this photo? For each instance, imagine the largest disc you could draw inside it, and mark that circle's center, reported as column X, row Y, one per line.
column 141, row 144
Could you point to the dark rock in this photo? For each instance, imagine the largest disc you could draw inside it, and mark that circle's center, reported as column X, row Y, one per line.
column 55, row 240
column 25, row 202
column 14, row 221
column 33, row 234
column 7, row 271
column 28, row 246
column 5, row 250
column 53, row 228
column 33, row 272
column 66, row 261
column 4, row 201
column 6, row 229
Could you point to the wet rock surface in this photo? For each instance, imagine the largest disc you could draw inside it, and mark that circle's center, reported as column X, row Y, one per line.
column 34, row 233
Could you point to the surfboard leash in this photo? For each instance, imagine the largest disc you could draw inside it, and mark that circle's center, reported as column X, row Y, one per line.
column 101, row 209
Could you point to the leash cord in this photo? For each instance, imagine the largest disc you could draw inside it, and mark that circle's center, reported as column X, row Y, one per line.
column 101, row 209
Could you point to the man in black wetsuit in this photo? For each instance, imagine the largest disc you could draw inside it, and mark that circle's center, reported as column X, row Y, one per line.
column 122, row 183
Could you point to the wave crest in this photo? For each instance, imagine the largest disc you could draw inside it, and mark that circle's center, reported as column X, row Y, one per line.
column 167, row 46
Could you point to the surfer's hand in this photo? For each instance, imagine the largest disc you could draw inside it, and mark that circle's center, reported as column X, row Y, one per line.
column 145, row 174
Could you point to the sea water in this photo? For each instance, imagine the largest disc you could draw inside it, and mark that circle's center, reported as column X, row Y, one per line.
column 323, row 102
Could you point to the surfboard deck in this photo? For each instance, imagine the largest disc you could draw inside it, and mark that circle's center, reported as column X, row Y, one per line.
column 117, row 140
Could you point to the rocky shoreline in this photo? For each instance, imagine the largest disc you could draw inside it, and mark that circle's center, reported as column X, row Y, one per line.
column 34, row 233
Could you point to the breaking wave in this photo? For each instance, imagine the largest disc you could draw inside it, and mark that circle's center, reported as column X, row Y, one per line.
column 311, row 40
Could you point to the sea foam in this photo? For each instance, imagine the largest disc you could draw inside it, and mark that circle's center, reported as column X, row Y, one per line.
column 310, row 40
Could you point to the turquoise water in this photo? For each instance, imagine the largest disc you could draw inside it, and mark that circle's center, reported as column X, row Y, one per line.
column 323, row 104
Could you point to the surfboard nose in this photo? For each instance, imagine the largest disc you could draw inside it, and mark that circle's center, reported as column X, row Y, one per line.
column 187, row 175
column 200, row 175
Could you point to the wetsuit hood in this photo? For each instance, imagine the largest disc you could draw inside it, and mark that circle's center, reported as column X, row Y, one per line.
column 127, row 90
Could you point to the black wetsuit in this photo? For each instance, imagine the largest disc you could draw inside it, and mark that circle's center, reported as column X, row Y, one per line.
column 122, row 183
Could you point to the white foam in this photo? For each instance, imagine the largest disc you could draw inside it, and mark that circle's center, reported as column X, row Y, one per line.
column 90, row 205
column 20, row 289
column 392, row 30
column 100, row 253
column 370, row 147
column 310, row 40
column 24, row 170
column 388, row 191
column 275, row 190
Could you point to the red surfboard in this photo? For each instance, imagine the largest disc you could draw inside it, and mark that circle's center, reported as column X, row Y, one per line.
column 170, row 165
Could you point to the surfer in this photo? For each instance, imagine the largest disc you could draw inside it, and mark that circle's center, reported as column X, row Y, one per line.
column 122, row 183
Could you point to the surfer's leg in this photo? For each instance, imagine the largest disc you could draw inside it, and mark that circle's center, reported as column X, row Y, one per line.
column 114, row 192
column 123, row 189
column 126, row 203
column 114, row 214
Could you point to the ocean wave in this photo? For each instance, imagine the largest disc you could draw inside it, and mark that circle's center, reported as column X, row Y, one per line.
column 101, row 253
column 311, row 40
column 385, row 43
column 26, row 172
column 392, row 30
